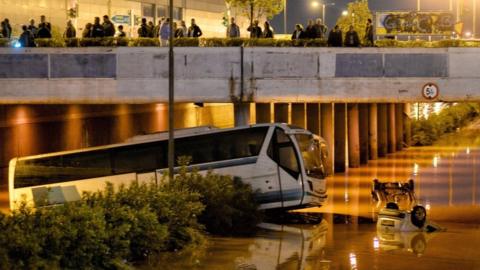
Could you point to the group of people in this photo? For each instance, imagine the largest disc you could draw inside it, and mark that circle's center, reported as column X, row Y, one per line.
column 314, row 30
column 162, row 30
column 352, row 39
column 29, row 32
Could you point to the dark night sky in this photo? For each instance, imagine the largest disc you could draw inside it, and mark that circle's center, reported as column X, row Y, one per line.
column 299, row 11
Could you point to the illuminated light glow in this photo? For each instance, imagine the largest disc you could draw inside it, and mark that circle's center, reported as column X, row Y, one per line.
column 159, row 107
column 315, row 4
column 346, row 197
column 468, row 34
column 435, row 161
column 344, row 13
column 438, row 107
column 468, row 151
column 376, row 243
column 353, row 261
column 428, row 206
column 17, row 44
column 416, row 168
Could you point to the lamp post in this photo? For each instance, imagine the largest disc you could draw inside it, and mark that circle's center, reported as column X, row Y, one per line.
column 474, row 28
column 285, row 16
column 171, row 98
column 316, row 4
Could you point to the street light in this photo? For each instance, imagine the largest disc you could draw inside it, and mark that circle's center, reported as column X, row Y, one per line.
column 316, row 4
column 344, row 13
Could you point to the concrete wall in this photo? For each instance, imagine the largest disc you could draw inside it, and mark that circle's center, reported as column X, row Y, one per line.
column 140, row 75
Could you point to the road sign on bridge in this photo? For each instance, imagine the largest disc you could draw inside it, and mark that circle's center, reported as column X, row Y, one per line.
column 121, row 19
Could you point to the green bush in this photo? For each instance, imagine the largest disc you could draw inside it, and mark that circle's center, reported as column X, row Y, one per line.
column 427, row 131
column 186, row 42
column 50, row 42
column 111, row 228
column 230, row 206
column 4, row 42
column 144, row 42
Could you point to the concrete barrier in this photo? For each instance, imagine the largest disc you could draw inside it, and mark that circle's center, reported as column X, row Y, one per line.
column 140, row 75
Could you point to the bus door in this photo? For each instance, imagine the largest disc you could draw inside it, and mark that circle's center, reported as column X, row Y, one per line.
column 282, row 151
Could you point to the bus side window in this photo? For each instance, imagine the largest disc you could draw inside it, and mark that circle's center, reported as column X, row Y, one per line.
column 282, row 151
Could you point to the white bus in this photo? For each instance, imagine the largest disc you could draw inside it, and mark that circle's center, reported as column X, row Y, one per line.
column 287, row 165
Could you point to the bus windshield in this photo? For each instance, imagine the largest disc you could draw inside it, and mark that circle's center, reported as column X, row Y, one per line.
column 311, row 154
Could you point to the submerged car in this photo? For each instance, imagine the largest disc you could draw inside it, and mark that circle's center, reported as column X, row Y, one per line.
column 399, row 210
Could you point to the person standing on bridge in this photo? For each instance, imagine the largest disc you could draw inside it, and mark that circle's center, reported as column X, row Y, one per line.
column 369, row 34
column 267, row 30
column 70, row 31
column 26, row 38
column 194, row 30
column 32, row 28
column 335, row 37
column 320, row 29
column 43, row 31
column 255, row 30
column 43, row 20
column 143, row 30
column 97, row 29
column 233, row 31
column 108, row 27
column 310, row 31
column 351, row 38
column 6, row 29
column 165, row 33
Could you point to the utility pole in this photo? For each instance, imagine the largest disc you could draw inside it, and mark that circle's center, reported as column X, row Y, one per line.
column 418, row 5
column 474, row 32
column 285, row 16
column 171, row 99
column 323, row 14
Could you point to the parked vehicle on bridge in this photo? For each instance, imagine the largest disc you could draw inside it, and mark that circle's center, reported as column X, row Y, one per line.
column 287, row 165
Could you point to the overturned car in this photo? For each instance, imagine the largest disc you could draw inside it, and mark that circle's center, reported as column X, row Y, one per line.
column 399, row 210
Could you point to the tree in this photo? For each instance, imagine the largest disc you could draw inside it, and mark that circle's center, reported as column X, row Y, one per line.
column 256, row 9
column 358, row 14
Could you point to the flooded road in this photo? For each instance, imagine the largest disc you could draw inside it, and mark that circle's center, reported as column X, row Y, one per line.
column 447, row 184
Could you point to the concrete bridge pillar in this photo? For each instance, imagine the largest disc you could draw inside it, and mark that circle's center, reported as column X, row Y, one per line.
column 241, row 112
column 340, row 132
column 263, row 113
column 327, row 124
column 313, row 118
column 399, row 122
column 298, row 115
column 353, row 136
column 407, row 124
column 373, row 131
column 363, row 129
column 392, row 135
column 382, row 130
column 280, row 114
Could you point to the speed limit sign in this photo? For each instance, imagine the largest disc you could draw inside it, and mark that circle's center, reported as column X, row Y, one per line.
column 430, row 91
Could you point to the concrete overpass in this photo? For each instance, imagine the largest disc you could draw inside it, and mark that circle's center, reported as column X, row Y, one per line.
column 139, row 75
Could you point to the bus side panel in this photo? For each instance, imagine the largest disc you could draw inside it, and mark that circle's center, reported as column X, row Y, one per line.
column 11, row 178
column 67, row 191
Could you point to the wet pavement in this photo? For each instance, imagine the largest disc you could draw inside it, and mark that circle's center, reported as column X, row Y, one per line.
column 447, row 183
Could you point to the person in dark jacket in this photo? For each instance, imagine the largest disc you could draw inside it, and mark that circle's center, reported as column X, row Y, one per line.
column 194, row 30
column 369, row 34
column 143, row 31
column 32, row 28
column 70, row 31
column 97, row 29
column 43, row 31
column 320, row 29
column 43, row 20
column 108, row 27
column 6, row 29
column 255, row 30
column 267, row 32
column 351, row 38
column 87, row 32
column 151, row 29
column 26, row 38
column 298, row 33
column 310, row 31
column 335, row 37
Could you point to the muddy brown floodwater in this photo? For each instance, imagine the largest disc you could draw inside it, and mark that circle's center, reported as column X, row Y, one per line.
column 447, row 184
